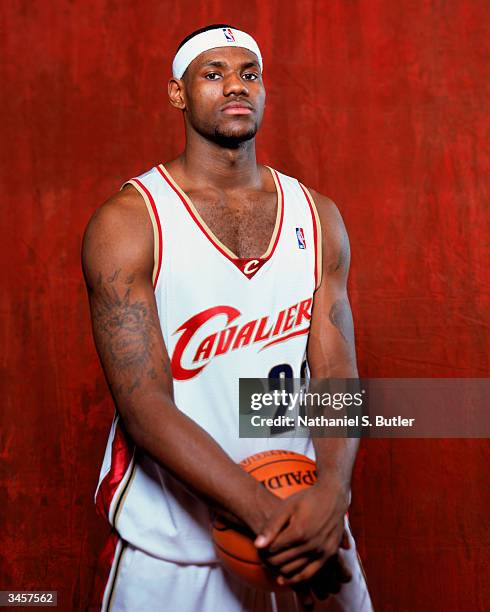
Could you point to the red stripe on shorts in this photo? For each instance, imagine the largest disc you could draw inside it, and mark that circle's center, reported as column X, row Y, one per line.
column 104, row 566
column 121, row 455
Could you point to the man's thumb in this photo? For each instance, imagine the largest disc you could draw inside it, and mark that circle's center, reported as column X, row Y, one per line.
column 271, row 529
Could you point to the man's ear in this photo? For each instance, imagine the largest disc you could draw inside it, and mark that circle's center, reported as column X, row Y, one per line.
column 176, row 93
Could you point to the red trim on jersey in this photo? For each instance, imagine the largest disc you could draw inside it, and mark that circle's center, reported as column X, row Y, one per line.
column 191, row 212
column 239, row 263
column 282, row 214
column 299, row 332
column 103, row 571
column 121, row 455
column 159, row 227
column 315, row 232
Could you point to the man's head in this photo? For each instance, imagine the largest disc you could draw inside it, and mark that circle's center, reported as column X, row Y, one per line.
column 217, row 82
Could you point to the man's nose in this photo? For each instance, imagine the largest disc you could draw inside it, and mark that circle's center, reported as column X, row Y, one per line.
column 234, row 84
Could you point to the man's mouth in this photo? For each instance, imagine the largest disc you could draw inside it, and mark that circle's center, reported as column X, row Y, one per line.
column 237, row 108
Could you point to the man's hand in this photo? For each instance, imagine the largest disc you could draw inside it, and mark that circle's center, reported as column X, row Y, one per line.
column 265, row 505
column 306, row 531
column 328, row 580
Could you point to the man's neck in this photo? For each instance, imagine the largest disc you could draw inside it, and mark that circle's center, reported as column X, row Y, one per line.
column 207, row 163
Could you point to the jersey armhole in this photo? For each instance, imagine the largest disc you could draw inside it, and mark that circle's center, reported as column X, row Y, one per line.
column 155, row 222
column 317, row 235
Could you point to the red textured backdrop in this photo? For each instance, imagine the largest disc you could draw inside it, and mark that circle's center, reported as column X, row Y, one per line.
column 381, row 105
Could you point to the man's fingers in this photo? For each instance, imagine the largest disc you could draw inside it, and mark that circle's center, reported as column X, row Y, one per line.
column 272, row 528
column 285, row 556
column 304, row 574
column 294, row 535
column 290, row 569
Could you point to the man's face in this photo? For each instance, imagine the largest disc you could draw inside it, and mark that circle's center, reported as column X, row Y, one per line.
column 224, row 95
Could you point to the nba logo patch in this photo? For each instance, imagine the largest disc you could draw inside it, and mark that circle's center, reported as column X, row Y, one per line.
column 301, row 238
column 228, row 35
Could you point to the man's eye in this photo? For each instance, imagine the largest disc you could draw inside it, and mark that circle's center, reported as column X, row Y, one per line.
column 250, row 76
column 212, row 76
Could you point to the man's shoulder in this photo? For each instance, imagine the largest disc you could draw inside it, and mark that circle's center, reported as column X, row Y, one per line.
column 122, row 208
column 118, row 231
column 335, row 240
column 130, row 206
column 325, row 206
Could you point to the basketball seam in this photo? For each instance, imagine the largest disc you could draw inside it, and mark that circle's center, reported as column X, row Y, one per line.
column 309, row 462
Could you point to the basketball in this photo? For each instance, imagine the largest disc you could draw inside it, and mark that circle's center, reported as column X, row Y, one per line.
column 282, row 473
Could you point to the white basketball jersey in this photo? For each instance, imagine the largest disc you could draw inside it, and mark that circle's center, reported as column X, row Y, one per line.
column 222, row 318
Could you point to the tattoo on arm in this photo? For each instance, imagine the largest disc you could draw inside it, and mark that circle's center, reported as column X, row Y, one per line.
column 341, row 317
column 126, row 332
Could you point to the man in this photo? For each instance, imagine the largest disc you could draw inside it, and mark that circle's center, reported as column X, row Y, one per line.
column 200, row 272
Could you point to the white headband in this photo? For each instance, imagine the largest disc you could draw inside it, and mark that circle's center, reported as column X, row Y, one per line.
column 211, row 39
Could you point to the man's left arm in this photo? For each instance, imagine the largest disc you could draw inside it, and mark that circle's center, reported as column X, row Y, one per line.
column 331, row 346
column 309, row 527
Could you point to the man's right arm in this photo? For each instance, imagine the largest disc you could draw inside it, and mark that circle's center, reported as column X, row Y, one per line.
column 118, row 262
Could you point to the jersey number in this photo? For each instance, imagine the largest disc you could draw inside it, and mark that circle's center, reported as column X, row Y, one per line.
column 281, row 378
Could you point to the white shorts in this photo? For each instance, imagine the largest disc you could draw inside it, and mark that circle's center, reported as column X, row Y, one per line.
column 139, row 582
